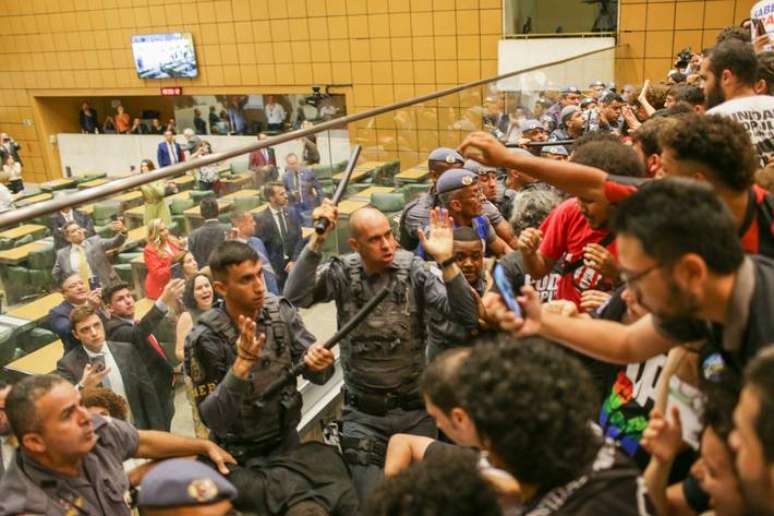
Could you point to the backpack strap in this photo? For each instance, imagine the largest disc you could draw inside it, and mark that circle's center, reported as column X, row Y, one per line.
column 570, row 267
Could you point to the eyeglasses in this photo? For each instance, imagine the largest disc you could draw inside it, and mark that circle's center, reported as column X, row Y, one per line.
column 631, row 278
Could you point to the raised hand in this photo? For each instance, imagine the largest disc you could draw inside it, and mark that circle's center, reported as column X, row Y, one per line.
column 327, row 210
column 601, row 260
column 593, row 299
column 529, row 240
column 661, row 438
column 439, row 244
column 92, row 377
column 485, row 148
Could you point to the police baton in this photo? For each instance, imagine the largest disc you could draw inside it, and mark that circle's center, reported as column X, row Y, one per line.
column 320, row 225
column 290, row 374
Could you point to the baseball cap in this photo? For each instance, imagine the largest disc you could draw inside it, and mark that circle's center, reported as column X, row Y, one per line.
column 183, row 482
column 530, row 125
column 455, row 179
column 567, row 112
column 570, row 90
column 447, row 155
column 555, row 149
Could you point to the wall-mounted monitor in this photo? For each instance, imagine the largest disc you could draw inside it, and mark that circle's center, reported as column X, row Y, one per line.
column 167, row 55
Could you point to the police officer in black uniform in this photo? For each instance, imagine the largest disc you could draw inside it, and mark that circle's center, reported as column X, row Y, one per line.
column 384, row 357
column 232, row 354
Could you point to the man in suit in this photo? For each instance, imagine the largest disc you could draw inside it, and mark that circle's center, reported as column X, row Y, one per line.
column 88, row 257
column 115, row 365
column 280, row 231
column 62, row 217
column 169, row 151
column 209, row 235
column 121, row 326
column 263, row 163
column 199, row 124
column 304, row 190
column 75, row 293
column 244, row 231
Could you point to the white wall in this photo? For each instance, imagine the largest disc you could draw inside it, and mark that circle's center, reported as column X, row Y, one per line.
column 522, row 53
column 116, row 153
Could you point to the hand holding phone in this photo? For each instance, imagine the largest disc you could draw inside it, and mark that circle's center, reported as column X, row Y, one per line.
column 506, row 290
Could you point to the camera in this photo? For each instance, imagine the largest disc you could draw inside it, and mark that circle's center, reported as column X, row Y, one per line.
column 316, row 97
column 684, row 58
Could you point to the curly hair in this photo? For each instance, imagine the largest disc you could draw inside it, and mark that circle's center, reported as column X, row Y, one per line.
column 612, row 157
column 648, row 134
column 676, row 216
column 116, row 406
column 759, row 377
column 532, row 206
column 444, row 483
column 687, row 93
column 716, row 142
column 531, row 403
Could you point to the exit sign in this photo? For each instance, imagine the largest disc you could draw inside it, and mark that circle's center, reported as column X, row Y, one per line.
column 172, row 90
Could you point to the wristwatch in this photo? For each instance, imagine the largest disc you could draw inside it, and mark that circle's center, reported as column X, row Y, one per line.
column 450, row 260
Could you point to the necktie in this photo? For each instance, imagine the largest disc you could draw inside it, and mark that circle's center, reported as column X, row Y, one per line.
column 172, row 153
column 282, row 225
column 298, row 187
column 84, row 271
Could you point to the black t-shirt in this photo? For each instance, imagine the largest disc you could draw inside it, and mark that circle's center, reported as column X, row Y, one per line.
column 610, row 485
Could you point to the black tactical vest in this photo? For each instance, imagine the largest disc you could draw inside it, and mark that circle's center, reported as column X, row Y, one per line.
column 385, row 354
column 260, row 423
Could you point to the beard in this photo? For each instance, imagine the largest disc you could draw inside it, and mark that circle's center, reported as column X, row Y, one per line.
column 680, row 306
column 715, row 97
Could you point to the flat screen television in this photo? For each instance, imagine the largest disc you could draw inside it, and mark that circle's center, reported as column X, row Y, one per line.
column 164, row 56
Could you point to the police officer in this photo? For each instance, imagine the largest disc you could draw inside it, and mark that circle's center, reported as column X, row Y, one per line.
column 492, row 197
column 572, row 127
column 71, row 463
column 233, row 352
column 555, row 152
column 384, row 357
column 469, row 255
column 570, row 96
column 460, row 193
column 178, row 487
column 416, row 214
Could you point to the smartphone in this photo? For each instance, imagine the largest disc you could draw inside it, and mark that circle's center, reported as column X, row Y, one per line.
column 177, row 271
column 506, row 290
column 93, row 283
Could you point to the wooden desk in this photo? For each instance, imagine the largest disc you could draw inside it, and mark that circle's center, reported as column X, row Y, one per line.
column 135, row 237
column 32, row 200
column 38, row 309
column 184, row 181
column 412, row 175
column 129, row 198
column 357, row 175
column 42, row 361
column 22, row 231
column 93, row 183
column 241, row 193
column 365, row 195
column 237, row 182
column 348, row 206
column 258, row 209
column 19, row 254
column 370, row 165
column 57, row 184
column 179, row 195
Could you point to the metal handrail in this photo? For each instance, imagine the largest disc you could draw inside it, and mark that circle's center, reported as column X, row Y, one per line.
column 120, row 185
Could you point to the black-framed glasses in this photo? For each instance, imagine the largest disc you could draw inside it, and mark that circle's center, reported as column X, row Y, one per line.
column 631, row 278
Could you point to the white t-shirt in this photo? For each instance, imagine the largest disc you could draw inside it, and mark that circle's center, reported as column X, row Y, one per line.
column 756, row 114
column 275, row 113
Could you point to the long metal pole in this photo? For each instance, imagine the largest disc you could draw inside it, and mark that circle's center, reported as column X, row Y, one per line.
column 122, row 185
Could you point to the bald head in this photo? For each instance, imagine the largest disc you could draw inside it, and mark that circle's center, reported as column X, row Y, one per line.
column 363, row 219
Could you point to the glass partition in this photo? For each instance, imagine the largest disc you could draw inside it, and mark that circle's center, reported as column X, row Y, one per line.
column 391, row 171
column 551, row 17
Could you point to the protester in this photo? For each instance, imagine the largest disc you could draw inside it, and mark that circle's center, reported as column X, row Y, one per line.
column 160, row 255
column 76, row 293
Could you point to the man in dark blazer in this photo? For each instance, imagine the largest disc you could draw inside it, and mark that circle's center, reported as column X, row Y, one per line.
column 263, row 163
column 121, row 326
column 169, row 151
column 62, row 217
column 114, row 365
column 99, row 270
column 283, row 244
column 304, row 189
column 76, row 293
column 204, row 239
